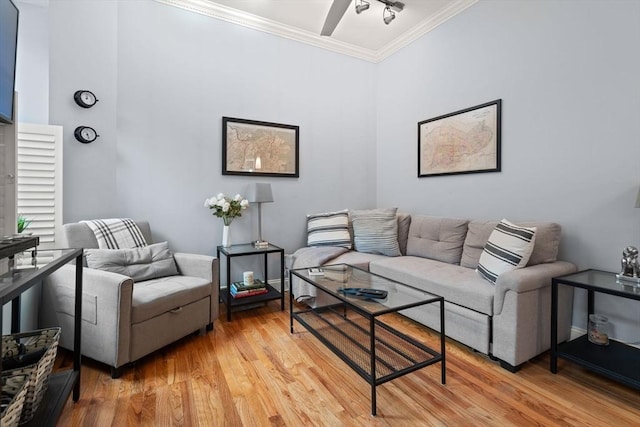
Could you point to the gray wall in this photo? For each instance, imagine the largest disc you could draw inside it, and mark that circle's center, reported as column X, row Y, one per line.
column 165, row 77
column 567, row 73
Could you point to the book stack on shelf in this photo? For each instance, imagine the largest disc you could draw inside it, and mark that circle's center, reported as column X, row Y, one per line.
column 240, row 290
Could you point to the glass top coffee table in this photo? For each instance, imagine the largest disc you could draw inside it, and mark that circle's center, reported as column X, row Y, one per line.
column 352, row 329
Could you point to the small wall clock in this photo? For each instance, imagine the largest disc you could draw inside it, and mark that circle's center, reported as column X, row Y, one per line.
column 85, row 98
column 85, row 134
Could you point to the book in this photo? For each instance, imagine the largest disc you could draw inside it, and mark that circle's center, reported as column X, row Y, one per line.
column 257, row 284
column 249, row 293
column 316, row 272
column 237, row 290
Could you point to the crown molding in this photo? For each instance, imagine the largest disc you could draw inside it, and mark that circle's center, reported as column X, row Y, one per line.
column 423, row 28
column 225, row 13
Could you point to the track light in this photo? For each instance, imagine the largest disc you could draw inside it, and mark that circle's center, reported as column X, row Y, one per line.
column 364, row 5
column 388, row 18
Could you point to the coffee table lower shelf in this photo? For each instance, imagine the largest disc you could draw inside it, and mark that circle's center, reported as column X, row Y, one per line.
column 376, row 351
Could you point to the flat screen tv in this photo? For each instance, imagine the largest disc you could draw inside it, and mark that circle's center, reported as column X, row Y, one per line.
column 8, row 48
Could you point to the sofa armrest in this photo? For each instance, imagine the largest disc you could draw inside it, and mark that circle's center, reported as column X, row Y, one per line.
column 528, row 279
column 206, row 267
column 106, row 311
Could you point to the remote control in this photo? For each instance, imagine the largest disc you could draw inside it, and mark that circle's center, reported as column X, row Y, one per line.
column 364, row 292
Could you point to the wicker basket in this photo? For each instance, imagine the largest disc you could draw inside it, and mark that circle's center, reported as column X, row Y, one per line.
column 39, row 378
column 14, row 391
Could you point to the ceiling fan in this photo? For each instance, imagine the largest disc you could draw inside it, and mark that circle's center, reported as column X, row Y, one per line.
column 339, row 8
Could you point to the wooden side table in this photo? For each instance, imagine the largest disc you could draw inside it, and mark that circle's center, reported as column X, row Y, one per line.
column 247, row 250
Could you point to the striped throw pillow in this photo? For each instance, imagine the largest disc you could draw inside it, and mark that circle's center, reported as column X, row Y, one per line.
column 509, row 247
column 375, row 231
column 329, row 229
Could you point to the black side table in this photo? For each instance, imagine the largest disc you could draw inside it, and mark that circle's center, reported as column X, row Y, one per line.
column 617, row 361
column 245, row 250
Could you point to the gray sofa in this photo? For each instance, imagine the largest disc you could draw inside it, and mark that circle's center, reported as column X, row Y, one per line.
column 509, row 320
column 123, row 321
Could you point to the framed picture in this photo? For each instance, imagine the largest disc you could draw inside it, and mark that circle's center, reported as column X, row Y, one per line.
column 256, row 148
column 466, row 141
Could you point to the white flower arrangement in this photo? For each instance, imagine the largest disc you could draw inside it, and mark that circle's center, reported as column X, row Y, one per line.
column 225, row 207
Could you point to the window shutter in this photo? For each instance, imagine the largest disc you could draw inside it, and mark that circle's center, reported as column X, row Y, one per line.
column 39, row 181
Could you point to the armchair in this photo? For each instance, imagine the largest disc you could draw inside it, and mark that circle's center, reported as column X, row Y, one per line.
column 123, row 320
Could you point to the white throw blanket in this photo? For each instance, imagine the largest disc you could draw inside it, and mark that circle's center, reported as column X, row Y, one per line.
column 116, row 233
column 311, row 257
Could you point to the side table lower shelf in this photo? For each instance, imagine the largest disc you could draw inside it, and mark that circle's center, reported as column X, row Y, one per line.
column 55, row 398
column 231, row 302
column 614, row 361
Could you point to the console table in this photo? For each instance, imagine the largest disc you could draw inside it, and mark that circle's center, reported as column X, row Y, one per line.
column 617, row 361
column 246, row 250
column 12, row 285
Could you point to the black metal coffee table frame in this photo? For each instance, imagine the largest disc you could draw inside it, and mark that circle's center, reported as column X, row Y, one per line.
column 353, row 331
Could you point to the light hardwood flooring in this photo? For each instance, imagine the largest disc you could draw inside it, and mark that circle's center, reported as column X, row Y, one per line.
column 253, row 372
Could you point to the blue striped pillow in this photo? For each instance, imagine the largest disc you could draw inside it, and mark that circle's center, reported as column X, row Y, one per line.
column 329, row 229
column 375, row 231
column 509, row 247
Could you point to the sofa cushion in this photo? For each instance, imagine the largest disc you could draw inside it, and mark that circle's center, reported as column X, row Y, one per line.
column 456, row 284
column 154, row 297
column 375, row 231
column 329, row 229
column 437, row 238
column 547, row 242
column 404, row 223
column 509, row 247
column 545, row 248
column 140, row 264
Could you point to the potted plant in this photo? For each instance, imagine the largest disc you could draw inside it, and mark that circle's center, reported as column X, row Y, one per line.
column 23, row 223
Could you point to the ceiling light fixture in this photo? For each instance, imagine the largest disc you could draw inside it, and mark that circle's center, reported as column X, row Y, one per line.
column 364, row 5
column 388, row 18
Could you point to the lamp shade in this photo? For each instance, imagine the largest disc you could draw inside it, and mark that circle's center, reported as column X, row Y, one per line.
column 259, row 193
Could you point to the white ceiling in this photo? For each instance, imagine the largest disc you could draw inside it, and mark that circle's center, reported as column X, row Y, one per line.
column 363, row 36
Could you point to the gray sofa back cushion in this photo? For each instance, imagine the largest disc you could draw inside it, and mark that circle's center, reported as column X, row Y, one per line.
column 404, row 222
column 437, row 238
column 545, row 249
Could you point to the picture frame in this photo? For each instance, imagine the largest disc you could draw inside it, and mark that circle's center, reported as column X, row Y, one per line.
column 462, row 142
column 256, row 148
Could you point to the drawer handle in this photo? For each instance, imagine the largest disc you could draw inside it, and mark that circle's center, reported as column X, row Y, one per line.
column 176, row 310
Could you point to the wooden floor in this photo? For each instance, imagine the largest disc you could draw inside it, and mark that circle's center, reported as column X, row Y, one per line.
column 253, row 372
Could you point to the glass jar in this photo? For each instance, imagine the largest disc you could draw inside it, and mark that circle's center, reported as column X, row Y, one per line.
column 598, row 329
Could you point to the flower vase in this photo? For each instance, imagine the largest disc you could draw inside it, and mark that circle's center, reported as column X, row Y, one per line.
column 226, row 236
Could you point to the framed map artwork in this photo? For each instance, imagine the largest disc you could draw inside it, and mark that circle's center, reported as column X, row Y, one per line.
column 466, row 141
column 251, row 147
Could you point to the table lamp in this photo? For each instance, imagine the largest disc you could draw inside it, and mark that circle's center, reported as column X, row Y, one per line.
column 260, row 193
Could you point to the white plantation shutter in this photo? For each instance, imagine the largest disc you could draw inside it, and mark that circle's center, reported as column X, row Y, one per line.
column 39, row 180
column 7, row 180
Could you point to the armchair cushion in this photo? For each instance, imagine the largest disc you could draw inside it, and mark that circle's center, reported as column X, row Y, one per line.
column 143, row 263
column 157, row 296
